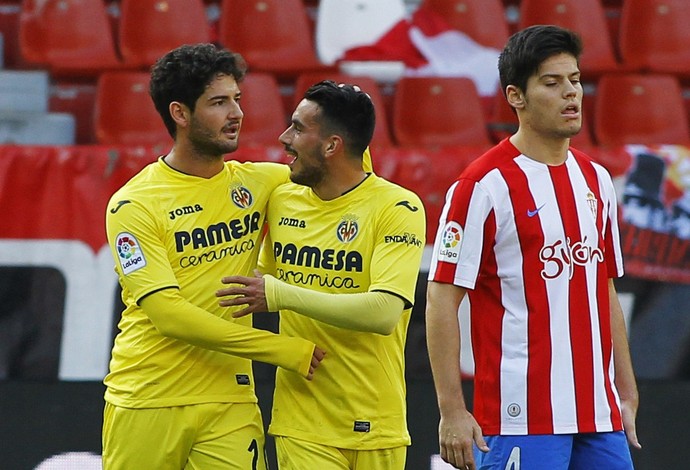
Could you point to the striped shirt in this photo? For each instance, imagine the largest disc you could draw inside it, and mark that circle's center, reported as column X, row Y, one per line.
column 535, row 246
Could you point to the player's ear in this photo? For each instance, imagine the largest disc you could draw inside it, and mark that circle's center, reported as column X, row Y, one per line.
column 180, row 113
column 515, row 97
column 334, row 143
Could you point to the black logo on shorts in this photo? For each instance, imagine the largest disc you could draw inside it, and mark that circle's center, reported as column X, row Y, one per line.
column 242, row 379
column 362, row 426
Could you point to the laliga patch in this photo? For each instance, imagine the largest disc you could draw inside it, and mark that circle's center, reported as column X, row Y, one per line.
column 129, row 253
column 451, row 241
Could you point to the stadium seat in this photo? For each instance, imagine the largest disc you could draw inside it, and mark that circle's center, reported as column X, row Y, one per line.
column 264, row 114
column 77, row 98
column 273, row 35
column 585, row 17
column 150, row 28
column 438, row 111
column 70, row 37
column 482, row 20
column 654, row 36
column 342, row 24
column 37, row 128
column 639, row 109
column 124, row 113
column 382, row 136
column 9, row 29
column 24, row 90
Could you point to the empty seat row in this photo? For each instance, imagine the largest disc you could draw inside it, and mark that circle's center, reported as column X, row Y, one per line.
column 71, row 37
column 426, row 112
column 68, row 36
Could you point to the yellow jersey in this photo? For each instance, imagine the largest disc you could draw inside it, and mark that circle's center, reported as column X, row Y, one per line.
column 166, row 230
column 369, row 239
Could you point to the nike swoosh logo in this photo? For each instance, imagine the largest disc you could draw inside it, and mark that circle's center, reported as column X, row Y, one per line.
column 119, row 204
column 408, row 205
column 535, row 211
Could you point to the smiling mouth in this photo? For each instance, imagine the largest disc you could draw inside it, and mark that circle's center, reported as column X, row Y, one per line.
column 292, row 154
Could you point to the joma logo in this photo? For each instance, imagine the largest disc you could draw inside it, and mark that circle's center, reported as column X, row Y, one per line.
column 292, row 222
column 186, row 210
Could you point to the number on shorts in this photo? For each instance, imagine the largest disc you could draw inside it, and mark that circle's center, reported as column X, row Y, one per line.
column 513, row 459
column 254, row 448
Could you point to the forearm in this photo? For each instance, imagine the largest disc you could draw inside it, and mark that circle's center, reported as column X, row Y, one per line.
column 443, row 343
column 373, row 312
column 625, row 376
column 177, row 318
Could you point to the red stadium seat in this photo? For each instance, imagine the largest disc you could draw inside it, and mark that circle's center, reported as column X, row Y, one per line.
column 640, row 109
column 273, row 35
column 124, row 113
column 654, row 36
column 150, row 28
column 482, row 20
column 585, row 17
column 264, row 114
column 438, row 111
column 382, row 137
column 70, row 37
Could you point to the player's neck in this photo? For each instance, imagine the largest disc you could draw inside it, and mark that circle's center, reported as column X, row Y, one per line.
column 550, row 151
column 336, row 184
column 189, row 163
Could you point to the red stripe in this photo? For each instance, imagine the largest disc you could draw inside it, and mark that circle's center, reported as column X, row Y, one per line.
column 579, row 314
column 487, row 330
column 531, row 240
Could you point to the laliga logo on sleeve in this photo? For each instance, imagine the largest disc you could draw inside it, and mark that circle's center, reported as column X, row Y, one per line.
column 451, row 241
column 129, row 253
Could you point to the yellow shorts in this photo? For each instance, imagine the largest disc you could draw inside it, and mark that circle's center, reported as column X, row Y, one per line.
column 295, row 454
column 208, row 436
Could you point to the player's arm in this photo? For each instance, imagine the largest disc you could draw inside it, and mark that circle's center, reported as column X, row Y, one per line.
column 625, row 377
column 268, row 294
column 175, row 317
column 458, row 429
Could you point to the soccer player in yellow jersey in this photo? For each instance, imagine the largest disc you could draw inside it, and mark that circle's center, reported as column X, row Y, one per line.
column 180, row 391
column 342, row 259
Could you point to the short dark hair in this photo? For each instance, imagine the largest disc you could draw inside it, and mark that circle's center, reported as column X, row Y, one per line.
column 184, row 73
column 528, row 48
column 347, row 110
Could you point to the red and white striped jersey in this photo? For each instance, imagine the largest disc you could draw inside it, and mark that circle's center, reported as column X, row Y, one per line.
column 535, row 245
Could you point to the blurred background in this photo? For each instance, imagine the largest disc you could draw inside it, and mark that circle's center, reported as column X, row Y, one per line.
column 76, row 122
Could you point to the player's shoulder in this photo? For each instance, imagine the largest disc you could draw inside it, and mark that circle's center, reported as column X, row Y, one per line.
column 391, row 195
column 496, row 157
column 585, row 161
column 388, row 189
column 266, row 175
column 140, row 184
column 258, row 168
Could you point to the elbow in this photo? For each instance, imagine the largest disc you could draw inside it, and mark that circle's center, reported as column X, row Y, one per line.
column 166, row 330
column 386, row 329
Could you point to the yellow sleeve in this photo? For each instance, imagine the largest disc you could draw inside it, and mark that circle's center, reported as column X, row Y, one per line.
column 175, row 317
column 383, row 309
